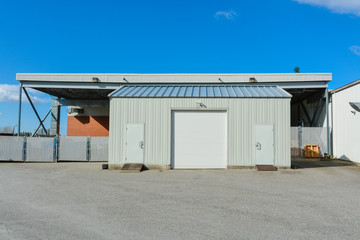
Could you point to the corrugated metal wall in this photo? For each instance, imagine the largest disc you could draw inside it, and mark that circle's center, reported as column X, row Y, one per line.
column 243, row 115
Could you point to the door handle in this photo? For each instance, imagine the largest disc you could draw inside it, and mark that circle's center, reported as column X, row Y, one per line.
column 258, row 146
column 141, row 144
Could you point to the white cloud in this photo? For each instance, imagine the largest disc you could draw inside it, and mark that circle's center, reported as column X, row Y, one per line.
column 355, row 49
column 338, row 6
column 10, row 93
column 230, row 15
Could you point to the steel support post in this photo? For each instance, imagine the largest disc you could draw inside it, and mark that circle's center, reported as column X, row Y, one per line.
column 20, row 99
column 327, row 122
column 55, row 117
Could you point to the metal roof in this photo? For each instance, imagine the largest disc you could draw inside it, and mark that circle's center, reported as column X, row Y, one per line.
column 210, row 91
column 346, row 86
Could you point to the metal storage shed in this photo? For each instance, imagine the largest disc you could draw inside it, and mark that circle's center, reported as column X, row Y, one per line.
column 199, row 126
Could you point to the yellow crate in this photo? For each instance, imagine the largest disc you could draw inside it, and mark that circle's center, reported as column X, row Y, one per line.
column 311, row 150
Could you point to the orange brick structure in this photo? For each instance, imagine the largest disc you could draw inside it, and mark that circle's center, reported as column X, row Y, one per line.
column 94, row 126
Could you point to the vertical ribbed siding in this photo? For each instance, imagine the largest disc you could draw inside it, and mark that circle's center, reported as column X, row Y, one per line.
column 243, row 115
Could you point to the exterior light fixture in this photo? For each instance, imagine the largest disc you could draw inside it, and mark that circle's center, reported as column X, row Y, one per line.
column 355, row 105
column 95, row 79
column 200, row 104
column 252, row 80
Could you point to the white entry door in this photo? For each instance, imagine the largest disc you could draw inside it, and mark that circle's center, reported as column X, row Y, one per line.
column 264, row 145
column 135, row 143
column 199, row 139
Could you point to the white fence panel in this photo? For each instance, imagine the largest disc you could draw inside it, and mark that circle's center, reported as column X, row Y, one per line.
column 73, row 148
column 39, row 149
column 301, row 136
column 11, row 148
column 296, row 149
column 315, row 135
column 99, row 149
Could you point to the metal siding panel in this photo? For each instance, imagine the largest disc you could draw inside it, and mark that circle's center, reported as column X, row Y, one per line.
column 99, row 148
column 40, row 149
column 11, row 148
column 73, row 148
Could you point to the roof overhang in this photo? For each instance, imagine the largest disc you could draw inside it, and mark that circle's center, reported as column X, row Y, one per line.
column 98, row 86
column 175, row 78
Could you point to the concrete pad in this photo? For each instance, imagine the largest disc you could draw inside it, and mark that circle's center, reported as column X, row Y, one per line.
column 82, row 201
column 298, row 162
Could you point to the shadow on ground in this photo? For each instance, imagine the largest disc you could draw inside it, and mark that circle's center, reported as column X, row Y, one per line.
column 298, row 162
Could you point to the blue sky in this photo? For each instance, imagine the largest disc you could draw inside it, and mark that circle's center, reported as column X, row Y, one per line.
column 228, row 36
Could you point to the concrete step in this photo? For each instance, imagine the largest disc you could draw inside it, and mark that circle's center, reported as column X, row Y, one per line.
column 132, row 168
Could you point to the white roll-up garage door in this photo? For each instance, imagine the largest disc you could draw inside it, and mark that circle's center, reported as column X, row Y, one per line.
column 199, row 139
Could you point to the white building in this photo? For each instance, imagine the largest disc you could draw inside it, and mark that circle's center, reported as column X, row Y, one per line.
column 202, row 126
column 346, row 122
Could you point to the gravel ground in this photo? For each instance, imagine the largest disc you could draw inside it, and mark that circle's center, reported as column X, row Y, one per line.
column 81, row 201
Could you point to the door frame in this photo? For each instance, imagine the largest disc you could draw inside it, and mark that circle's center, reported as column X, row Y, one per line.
column 172, row 135
column 126, row 138
column 254, row 141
